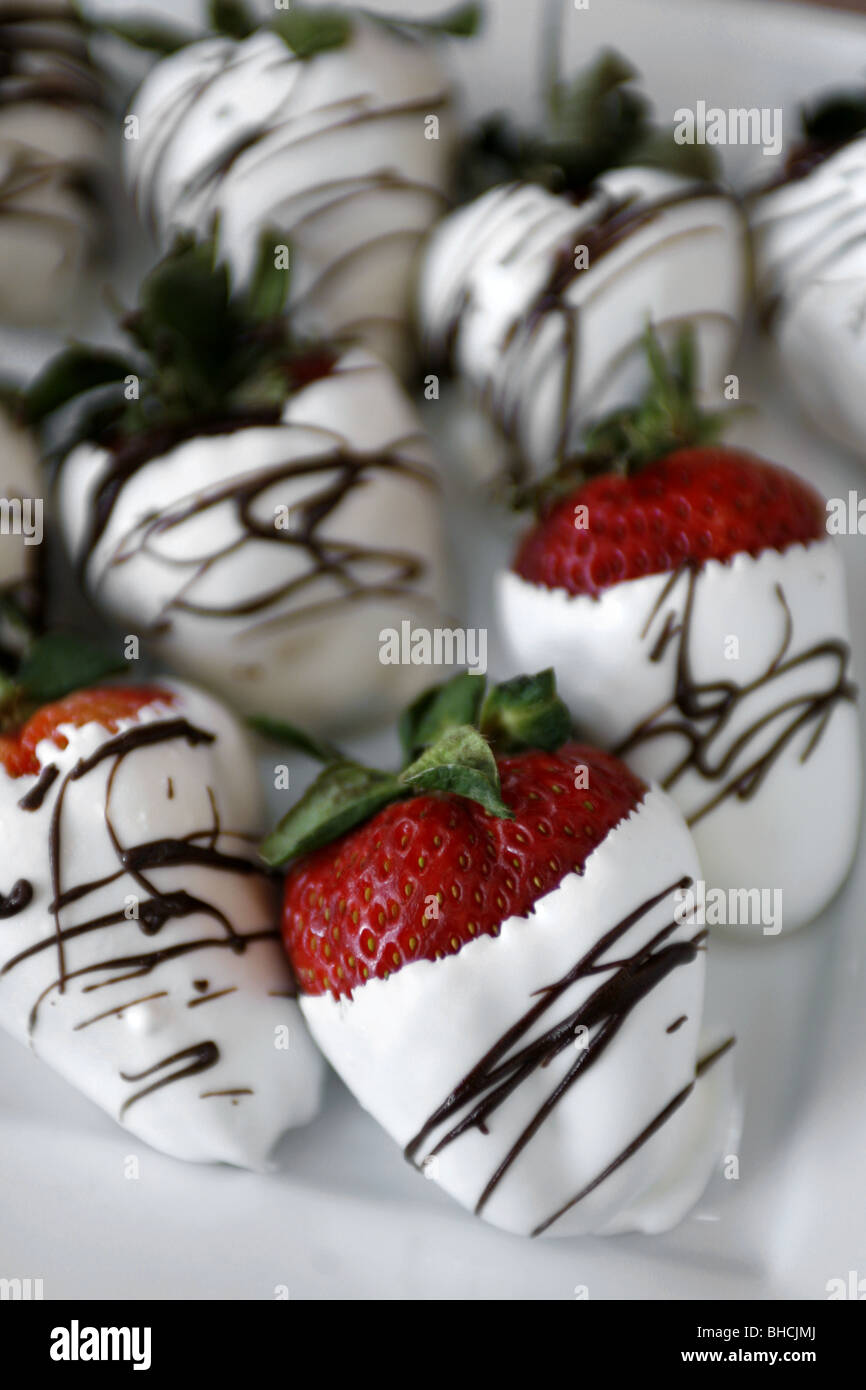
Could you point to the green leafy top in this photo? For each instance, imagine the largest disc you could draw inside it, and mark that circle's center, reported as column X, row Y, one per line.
column 828, row 125
column 596, row 122
column 49, row 668
column 668, row 417
column 306, row 30
column 448, row 735
column 196, row 353
column 837, row 118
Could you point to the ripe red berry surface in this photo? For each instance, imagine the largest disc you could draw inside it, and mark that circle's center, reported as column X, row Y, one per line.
column 427, row 875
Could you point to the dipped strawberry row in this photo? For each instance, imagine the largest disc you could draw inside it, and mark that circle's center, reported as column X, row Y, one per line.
column 493, row 945
column 490, row 944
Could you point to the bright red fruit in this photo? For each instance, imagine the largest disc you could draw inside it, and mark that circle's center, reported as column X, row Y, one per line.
column 106, row 705
column 356, row 908
column 694, row 505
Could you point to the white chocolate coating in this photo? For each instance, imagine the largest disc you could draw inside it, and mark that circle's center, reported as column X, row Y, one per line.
column 333, row 153
column 211, row 998
column 809, row 238
column 403, row 1044
column 798, row 831
column 279, row 626
column 49, row 145
column 546, row 346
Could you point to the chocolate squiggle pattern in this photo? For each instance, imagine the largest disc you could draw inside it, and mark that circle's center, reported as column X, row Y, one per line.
column 511, row 229
column 44, row 60
column 700, row 712
column 806, row 223
column 507, row 1066
column 277, row 153
column 156, row 907
column 359, row 571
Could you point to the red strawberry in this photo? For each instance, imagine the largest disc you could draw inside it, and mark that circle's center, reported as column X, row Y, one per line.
column 106, row 705
column 357, row 907
column 695, row 606
column 490, row 955
column 699, row 504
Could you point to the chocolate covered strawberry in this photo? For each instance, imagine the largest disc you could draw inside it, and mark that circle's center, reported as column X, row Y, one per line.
column 696, row 609
column 139, row 953
column 537, row 291
column 52, row 157
column 809, row 235
column 258, row 507
column 332, row 127
column 492, row 951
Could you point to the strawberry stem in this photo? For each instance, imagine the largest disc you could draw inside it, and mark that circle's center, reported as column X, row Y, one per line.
column 449, row 734
column 667, row 418
column 198, row 353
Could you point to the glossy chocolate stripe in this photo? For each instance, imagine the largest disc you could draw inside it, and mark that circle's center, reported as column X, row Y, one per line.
column 16, row 901
column 646, row 1134
column 699, row 712
column 489, row 1084
column 203, row 1056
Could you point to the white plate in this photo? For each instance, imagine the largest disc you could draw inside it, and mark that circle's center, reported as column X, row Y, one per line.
column 343, row 1216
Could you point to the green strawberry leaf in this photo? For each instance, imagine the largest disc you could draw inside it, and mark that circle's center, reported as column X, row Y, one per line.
column 269, row 287
column 71, row 373
column 153, row 37
column 231, row 18
column 8, row 692
column 309, row 31
column 656, row 150
column 186, row 308
column 462, row 22
column 59, row 663
column 460, row 762
column 595, row 121
column 342, row 796
column 443, row 707
column 297, row 739
column 526, row 712
column 668, row 417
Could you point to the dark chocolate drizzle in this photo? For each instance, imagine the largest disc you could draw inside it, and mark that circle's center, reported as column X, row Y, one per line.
column 206, row 998
column 157, row 907
column 344, row 116
column 839, row 207
column 203, row 1055
column 619, row 219
column 121, row 1009
column 232, row 1094
column 32, row 800
column 17, row 900
column 699, row 713
column 360, row 571
column 646, row 1134
column 506, row 1066
column 44, row 58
